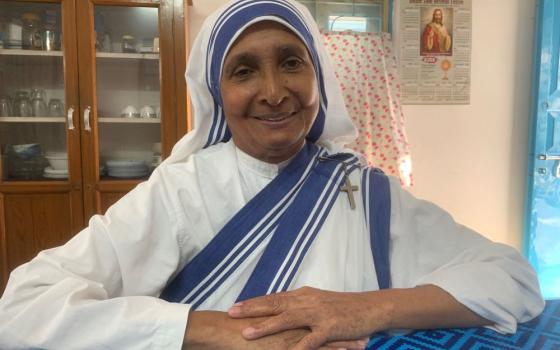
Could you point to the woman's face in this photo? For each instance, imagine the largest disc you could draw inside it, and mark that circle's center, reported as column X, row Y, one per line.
column 269, row 92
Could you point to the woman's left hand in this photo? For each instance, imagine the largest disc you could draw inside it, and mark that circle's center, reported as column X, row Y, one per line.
column 331, row 316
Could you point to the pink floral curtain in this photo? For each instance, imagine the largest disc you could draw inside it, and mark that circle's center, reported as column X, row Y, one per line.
column 366, row 68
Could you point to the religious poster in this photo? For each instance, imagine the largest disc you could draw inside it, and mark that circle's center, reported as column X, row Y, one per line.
column 434, row 50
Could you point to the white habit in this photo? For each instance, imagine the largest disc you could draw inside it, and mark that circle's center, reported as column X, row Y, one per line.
column 100, row 289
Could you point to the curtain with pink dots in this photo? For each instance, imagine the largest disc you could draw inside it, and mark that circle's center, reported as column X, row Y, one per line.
column 366, row 68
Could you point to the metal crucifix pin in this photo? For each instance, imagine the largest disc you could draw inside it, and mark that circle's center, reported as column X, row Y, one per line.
column 348, row 187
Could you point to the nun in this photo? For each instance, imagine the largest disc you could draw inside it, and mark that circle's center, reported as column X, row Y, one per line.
column 260, row 231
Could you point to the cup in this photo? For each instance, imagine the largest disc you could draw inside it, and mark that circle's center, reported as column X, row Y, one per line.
column 130, row 112
column 147, row 112
column 39, row 107
column 128, row 44
column 5, row 107
column 107, row 43
column 56, row 109
column 49, row 39
column 58, row 160
column 39, row 94
column 23, row 108
column 16, row 105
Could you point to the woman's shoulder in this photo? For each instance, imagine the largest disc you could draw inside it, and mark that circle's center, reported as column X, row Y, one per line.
column 214, row 156
column 334, row 147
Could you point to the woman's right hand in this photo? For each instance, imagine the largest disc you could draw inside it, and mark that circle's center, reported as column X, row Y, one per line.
column 216, row 330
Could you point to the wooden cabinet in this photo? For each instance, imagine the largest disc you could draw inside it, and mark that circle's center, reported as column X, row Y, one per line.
column 92, row 97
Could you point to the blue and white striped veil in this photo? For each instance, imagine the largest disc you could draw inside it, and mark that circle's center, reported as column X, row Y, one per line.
column 218, row 33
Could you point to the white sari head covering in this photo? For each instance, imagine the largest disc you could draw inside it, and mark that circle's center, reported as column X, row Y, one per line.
column 218, row 33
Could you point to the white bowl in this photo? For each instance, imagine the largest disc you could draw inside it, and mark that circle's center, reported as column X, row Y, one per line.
column 130, row 112
column 58, row 161
column 147, row 112
column 125, row 163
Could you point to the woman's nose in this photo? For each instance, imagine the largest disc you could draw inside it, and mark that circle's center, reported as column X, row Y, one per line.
column 273, row 89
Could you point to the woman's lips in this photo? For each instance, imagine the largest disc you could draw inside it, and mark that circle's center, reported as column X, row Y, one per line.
column 274, row 117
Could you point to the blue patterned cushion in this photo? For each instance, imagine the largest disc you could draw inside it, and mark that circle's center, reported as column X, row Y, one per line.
column 542, row 333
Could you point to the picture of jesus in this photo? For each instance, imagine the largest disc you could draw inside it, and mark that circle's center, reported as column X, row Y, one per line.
column 436, row 39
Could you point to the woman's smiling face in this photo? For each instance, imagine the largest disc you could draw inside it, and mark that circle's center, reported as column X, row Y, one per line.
column 269, row 92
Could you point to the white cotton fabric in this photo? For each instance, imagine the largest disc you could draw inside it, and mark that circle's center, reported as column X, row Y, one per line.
column 99, row 291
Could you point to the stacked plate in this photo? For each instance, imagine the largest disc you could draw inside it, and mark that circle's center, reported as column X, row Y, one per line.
column 127, row 168
column 12, row 44
column 51, row 173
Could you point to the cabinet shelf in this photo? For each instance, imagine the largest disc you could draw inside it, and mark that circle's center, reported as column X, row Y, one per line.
column 20, row 52
column 130, row 56
column 32, row 120
column 129, row 120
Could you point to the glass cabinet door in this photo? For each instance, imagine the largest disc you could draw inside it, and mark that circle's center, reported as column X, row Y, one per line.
column 127, row 91
column 33, row 129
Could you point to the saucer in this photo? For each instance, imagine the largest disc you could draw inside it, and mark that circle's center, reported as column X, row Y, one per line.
column 51, row 173
column 128, row 173
column 125, row 164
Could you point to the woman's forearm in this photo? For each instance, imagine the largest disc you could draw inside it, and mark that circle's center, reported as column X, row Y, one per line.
column 425, row 307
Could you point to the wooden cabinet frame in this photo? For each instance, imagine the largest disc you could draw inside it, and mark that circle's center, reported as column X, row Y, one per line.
column 38, row 224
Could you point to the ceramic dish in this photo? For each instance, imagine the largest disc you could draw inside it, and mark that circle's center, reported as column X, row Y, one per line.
column 51, row 173
column 127, row 174
column 58, row 161
column 128, row 164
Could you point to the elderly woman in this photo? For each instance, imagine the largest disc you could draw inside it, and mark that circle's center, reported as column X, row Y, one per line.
column 260, row 232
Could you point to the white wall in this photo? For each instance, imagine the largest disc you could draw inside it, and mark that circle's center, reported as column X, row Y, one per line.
column 472, row 159
column 198, row 12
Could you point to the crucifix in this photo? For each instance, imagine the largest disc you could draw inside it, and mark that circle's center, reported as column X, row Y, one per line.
column 348, row 188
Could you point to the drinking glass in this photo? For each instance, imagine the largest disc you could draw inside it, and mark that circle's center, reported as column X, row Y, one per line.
column 23, row 107
column 39, row 94
column 5, row 107
column 38, row 107
column 56, row 109
column 20, row 95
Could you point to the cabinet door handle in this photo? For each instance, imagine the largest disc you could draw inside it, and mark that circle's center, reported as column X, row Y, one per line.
column 87, row 112
column 70, row 117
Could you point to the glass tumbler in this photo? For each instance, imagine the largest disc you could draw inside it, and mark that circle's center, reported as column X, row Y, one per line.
column 5, row 107
column 56, row 109
column 22, row 106
column 38, row 107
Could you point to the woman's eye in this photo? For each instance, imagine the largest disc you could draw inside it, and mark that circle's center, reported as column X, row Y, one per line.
column 242, row 72
column 293, row 63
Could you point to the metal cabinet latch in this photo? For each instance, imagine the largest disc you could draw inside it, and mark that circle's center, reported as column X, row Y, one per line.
column 547, row 157
column 556, row 171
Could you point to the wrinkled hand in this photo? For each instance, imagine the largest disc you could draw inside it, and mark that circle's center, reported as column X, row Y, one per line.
column 330, row 316
column 216, row 330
